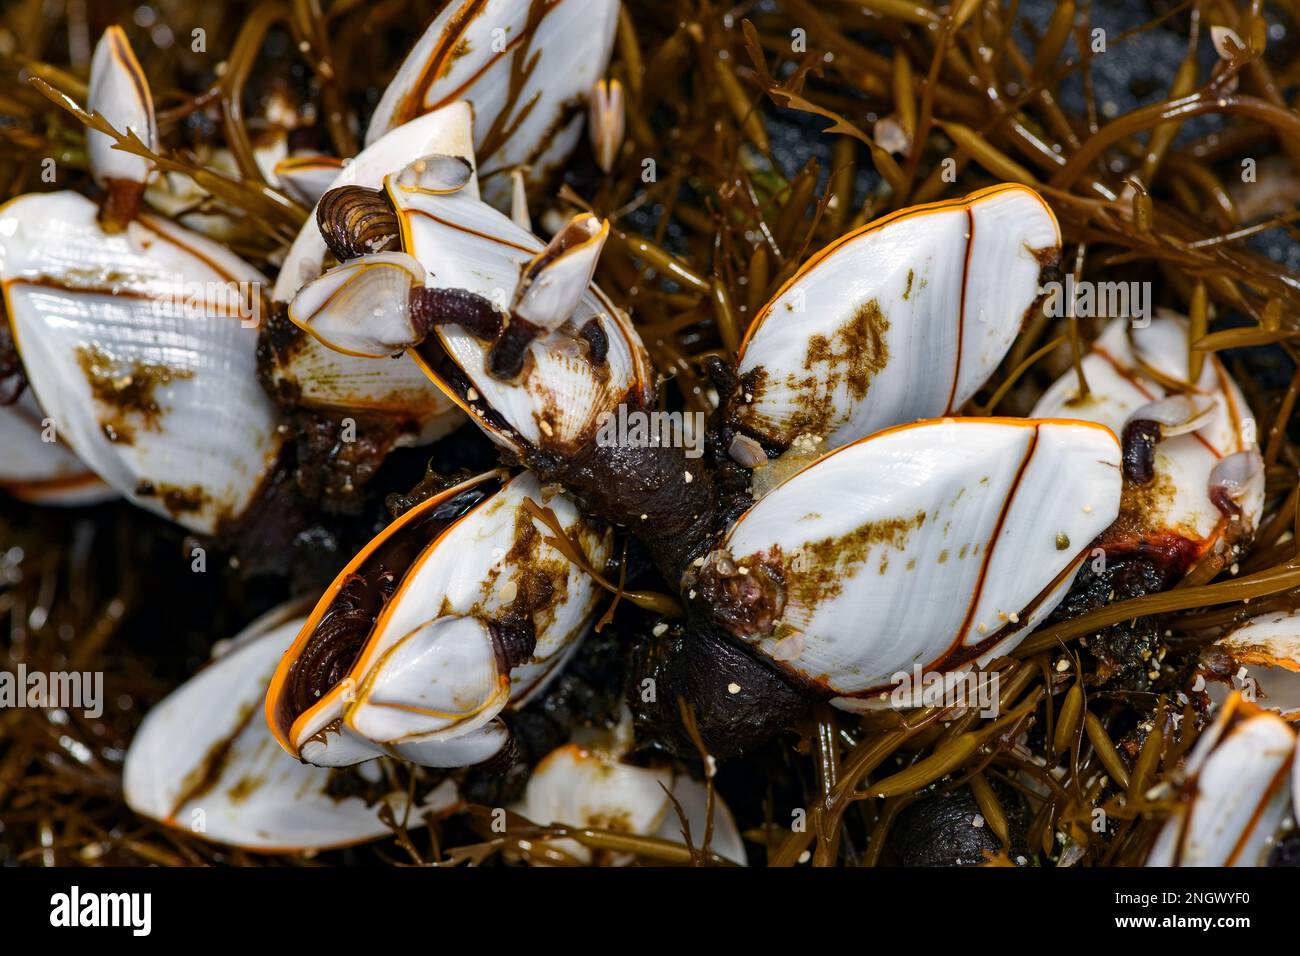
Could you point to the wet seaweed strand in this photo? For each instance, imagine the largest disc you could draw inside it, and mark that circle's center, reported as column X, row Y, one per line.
column 958, row 99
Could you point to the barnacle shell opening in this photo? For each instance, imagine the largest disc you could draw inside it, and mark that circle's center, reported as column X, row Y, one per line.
column 904, row 318
column 140, row 346
column 1180, row 501
column 419, row 595
column 942, row 547
column 558, row 400
column 606, row 122
column 1236, row 792
column 203, row 762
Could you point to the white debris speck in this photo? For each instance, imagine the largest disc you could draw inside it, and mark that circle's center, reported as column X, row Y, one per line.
column 471, row 395
column 978, row 822
column 1087, row 509
column 1063, row 665
column 644, row 517
column 509, row 591
column 546, row 428
column 659, row 629
column 983, row 628
column 1158, row 792
column 689, row 478
column 1015, row 618
column 733, row 688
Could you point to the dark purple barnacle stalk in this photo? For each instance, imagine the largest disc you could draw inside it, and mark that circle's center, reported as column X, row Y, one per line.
column 431, row 308
column 1140, row 439
column 1156, row 422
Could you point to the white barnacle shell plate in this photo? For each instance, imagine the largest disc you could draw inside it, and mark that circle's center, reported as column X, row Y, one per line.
column 581, row 786
column 470, row 51
column 40, row 471
column 478, row 567
column 377, row 287
column 391, row 387
column 1118, row 385
column 141, row 347
column 204, row 762
column 1265, row 650
column 1236, row 792
column 933, row 544
column 559, row 400
column 439, row 684
column 443, row 132
column 333, row 380
column 902, row 319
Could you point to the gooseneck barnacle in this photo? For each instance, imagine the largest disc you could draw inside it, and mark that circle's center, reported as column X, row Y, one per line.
column 706, row 468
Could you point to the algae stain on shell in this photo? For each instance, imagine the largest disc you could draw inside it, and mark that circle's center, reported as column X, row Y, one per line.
column 817, row 571
column 126, row 390
column 851, row 357
column 1144, row 508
